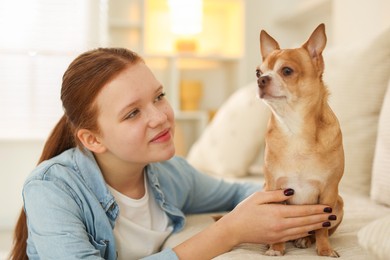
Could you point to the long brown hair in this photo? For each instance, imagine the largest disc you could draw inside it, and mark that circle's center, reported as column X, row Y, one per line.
column 81, row 83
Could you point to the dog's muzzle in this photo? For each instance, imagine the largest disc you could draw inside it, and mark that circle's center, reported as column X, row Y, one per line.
column 263, row 81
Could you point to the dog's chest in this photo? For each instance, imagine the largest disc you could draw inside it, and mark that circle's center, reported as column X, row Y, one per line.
column 307, row 191
column 298, row 166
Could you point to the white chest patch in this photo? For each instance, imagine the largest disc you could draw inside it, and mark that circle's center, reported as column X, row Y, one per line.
column 306, row 191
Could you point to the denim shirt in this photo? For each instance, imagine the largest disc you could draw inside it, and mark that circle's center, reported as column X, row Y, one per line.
column 71, row 212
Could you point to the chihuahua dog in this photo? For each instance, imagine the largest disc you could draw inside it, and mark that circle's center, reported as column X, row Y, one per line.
column 304, row 148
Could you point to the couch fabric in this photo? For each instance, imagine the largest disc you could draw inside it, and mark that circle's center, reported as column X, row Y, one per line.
column 380, row 184
column 375, row 236
column 229, row 144
column 358, row 78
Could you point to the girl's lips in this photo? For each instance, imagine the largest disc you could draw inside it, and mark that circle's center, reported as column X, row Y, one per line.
column 162, row 137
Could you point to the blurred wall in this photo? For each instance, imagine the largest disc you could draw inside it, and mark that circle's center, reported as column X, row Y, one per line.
column 17, row 159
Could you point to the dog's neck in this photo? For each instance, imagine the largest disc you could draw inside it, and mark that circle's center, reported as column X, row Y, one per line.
column 293, row 119
column 287, row 120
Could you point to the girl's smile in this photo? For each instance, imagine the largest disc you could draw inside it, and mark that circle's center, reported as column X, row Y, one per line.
column 162, row 137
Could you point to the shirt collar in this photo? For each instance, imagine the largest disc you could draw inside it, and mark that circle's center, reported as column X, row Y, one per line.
column 89, row 170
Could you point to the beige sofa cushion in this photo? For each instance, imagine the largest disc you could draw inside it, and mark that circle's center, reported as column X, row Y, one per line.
column 375, row 238
column 231, row 142
column 380, row 183
column 357, row 79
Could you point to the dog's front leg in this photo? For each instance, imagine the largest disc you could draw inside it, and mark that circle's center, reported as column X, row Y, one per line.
column 328, row 197
column 277, row 249
column 323, row 246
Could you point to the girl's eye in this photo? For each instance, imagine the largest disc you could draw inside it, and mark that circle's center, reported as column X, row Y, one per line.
column 132, row 114
column 287, row 71
column 160, row 96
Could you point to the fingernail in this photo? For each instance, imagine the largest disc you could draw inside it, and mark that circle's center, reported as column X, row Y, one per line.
column 288, row 192
column 332, row 217
column 326, row 224
column 311, row 232
column 328, row 210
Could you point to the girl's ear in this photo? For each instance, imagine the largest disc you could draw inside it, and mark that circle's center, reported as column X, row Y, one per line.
column 91, row 141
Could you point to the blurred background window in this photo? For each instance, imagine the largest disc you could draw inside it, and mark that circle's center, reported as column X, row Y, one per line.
column 39, row 40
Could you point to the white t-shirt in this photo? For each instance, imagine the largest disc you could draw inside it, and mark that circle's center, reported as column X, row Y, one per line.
column 141, row 227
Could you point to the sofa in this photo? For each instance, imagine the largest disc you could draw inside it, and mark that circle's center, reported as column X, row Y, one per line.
column 231, row 147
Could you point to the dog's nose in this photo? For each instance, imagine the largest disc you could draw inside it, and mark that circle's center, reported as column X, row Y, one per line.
column 263, row 81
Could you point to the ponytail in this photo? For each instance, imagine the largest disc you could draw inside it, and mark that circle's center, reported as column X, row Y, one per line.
column 19, row 248
column 60, row 140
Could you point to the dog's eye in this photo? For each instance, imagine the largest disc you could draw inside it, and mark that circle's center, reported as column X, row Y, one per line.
column 287, row 71
column 258, row 73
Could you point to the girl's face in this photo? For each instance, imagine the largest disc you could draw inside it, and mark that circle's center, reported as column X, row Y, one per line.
column 135, row 119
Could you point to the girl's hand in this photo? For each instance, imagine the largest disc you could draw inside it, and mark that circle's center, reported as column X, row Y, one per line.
column 262, row 219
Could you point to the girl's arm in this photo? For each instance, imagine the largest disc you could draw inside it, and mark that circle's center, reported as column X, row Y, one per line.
column 56, row 223
column 254, row 221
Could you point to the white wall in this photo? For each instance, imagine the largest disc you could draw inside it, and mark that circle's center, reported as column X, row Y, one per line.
column 362, row 22
column 17, row 159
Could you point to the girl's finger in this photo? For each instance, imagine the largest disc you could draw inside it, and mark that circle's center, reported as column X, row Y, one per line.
column 298, row 231
column 263, row 197
column 309, row 220
column 292, row 211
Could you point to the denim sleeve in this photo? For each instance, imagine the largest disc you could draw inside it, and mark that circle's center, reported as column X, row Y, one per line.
column 166, row 254
column 209, row 194
column 55, row 223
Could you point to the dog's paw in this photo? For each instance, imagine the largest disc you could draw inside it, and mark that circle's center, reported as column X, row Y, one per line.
column 271, row 252
column 328, row 252
column 304, row 242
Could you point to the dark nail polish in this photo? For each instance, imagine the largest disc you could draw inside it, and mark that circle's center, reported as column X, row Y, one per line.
column 326, row 224
column 332, row 217
column 288, row 192
column 328, row 210
column 311, row 232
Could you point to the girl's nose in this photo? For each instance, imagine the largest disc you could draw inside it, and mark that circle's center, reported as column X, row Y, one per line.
column 156, row 117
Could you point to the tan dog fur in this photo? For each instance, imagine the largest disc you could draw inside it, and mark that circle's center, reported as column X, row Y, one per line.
column 304, row 142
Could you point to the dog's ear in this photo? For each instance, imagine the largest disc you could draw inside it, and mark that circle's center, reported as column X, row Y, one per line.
column 267, row 44
column 315, row 45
